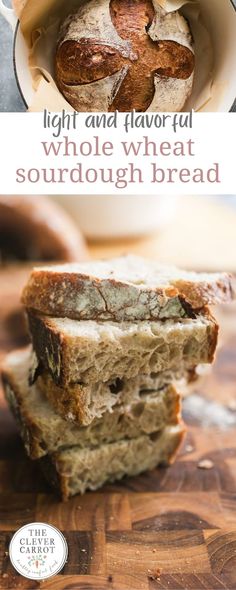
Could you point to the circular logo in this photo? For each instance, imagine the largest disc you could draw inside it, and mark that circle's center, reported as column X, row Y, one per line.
column 38, row 551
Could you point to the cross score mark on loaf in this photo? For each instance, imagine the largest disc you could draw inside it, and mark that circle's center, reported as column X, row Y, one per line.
column 93, row 60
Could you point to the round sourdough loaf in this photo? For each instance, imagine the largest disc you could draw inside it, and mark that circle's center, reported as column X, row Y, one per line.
column 35, row 228
column 124, row 55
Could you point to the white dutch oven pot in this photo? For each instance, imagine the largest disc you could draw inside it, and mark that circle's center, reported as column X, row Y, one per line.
column 20, row 55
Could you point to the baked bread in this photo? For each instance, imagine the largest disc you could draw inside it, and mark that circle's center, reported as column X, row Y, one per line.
column 121, row 54
column 126, row 288
column 82, row 404
column 89, row 351
column 75, row 470
column 44, row 431
column 35, row 228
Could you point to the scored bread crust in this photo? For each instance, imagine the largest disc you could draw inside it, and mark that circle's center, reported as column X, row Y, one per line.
column 127, row 288
column 132, row 42
column 89, row 352
column 44, row 431
column 75, row 470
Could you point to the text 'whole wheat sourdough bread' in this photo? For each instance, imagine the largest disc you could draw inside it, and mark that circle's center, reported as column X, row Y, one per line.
column 128, row 288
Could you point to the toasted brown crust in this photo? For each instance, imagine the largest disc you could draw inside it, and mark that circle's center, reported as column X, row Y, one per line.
column 88, row 60
column 213, row 339
column 66, row 402
column 205, row 292
column 78, row 295
column 32, row 436
column 50, row 472
column 175, row 449
column 49, row 345
column 66, row 288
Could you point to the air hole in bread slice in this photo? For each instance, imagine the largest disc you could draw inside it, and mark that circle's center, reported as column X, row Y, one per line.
column 155, row 435
column 117, row 386
column 138, row 409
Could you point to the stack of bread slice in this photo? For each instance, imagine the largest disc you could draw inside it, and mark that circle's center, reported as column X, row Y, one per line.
column 97, row 396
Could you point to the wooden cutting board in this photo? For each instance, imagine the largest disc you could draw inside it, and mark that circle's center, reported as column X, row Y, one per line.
column 168, row 529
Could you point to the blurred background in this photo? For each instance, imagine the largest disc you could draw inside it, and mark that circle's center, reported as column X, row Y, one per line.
column 197, row 233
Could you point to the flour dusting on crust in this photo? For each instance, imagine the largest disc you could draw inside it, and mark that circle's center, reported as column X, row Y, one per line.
column 95, row 23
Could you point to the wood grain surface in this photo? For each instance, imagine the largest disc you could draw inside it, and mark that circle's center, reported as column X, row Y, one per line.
column 172, row 529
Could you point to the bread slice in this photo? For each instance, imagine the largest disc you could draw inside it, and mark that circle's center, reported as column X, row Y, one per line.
column 89, row 351
column 82, row 404
column 127, row 288
column 45, row 432
column 75, row 470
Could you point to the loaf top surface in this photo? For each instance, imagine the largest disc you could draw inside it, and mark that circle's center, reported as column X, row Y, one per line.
column 124, row 288
column 122, row 46
column 132, row 269
column 110, row 22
